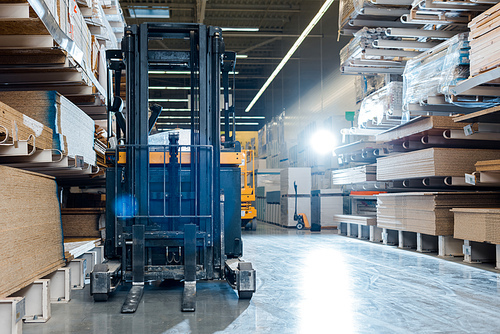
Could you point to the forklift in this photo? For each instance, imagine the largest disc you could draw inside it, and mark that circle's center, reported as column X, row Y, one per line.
column 248, row 211
column 172, row 211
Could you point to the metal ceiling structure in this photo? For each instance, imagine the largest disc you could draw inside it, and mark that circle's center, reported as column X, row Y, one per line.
column 262, row 49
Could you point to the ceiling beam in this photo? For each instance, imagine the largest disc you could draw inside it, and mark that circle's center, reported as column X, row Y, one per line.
column 259, row 45
column 201, row 6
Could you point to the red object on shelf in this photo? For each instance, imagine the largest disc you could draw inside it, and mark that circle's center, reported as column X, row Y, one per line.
column 367, row 193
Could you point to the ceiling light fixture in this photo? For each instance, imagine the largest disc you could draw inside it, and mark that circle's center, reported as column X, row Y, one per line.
column 292, row 50
column 168, row 100
column 180, row 72
column 241, row 56
column 239, row 29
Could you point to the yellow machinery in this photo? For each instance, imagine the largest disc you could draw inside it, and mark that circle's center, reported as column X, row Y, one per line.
column 248, row 211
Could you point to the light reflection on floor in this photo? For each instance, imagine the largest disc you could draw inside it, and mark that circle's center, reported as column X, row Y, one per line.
column 308, row 283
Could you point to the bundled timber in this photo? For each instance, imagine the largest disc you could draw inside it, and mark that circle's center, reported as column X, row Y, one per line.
column 477, row 224
column 420, row 126
column 31, row 244
column 82, row 222
column 432, row 162
column 73, row 129
column 355, row 175
column 353, row 219
column 485, row 41
column 17, row 126
column 100, row 145
column 75, row 247
column 427, row 213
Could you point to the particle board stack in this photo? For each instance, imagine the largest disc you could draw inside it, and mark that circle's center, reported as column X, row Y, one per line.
column 427, row 213
column 17, row 126
column 82, row 222
column 31, row 244
column 485, row 41
column 432, row 162
column 354, row 175
column 73, row 130
column 477, row 224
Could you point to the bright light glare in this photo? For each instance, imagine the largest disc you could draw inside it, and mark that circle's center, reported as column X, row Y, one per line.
column 323, row 142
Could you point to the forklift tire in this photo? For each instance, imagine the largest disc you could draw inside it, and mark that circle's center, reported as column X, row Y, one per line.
column 100, row 297
column 300, row 226
column 245, row 294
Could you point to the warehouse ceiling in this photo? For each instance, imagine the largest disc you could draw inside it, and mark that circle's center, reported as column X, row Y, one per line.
column 262, row 48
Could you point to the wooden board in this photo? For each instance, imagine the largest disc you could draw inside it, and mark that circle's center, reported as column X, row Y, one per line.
column 476, row 224
column 20, row 127
column 432, row 162
column 428, row 213
column 490, row 115
column 30, row 229
column 74, row 130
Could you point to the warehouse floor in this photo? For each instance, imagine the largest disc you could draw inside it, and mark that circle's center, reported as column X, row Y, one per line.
column 320, row 283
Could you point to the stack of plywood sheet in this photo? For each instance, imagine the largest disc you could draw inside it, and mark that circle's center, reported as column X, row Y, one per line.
column 432, row 162
column 477, row 224
column 428, row 213
column 485, row 41
column 17, row 126
column 82, row 222
column 355, row 174
column 31, row 244
column 73, row 129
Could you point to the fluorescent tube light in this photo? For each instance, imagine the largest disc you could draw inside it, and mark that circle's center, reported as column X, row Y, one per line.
column 169, row 88
column 180, row 72
column 168, row 100
column 239, row 29
column 292, row 50
column 241, row 56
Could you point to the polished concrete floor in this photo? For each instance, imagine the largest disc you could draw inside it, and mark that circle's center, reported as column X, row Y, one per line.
column 308, row 283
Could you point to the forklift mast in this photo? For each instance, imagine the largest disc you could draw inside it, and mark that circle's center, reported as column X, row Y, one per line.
column 165, row 207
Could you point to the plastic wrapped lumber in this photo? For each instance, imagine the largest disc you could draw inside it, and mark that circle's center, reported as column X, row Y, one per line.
column 31, row 244
column 434, row 71
column 384, row 107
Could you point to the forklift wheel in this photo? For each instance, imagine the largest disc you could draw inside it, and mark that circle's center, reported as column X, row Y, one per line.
column 245, row 294
column 100, row 297
column 300, row 226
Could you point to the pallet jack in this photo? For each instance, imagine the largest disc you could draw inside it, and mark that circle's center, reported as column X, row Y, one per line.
column 172, row 211
column 301, row 218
